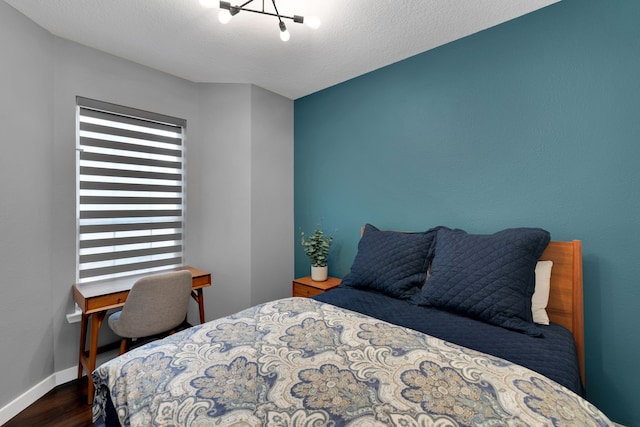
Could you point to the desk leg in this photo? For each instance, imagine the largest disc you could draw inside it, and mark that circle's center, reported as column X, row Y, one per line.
column 83, row 343
column 96, row 322
column 198, row 295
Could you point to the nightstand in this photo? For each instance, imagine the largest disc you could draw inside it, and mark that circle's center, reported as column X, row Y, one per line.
column 305, row 287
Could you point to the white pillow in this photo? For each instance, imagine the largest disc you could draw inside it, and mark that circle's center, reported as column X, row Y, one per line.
column 540, row 297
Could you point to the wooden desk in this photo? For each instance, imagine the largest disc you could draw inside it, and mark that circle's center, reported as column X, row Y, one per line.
column 95, row 299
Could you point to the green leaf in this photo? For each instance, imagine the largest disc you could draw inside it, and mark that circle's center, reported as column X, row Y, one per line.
column 316, row 246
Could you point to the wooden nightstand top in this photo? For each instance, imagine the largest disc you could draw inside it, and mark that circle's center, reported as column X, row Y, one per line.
column 330, row 283
column 305, row 287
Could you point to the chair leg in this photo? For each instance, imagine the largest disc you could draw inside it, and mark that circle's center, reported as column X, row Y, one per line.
column 123, row 345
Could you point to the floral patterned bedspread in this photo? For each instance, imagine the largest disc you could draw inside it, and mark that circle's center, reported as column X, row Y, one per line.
column 299, row 362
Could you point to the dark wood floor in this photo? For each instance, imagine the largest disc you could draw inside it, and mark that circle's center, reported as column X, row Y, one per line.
column 64, row 406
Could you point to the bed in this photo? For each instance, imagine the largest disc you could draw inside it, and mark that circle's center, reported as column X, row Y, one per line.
column 353, row 356
column 562, row 342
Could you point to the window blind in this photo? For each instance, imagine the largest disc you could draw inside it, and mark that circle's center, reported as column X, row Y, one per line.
column 130, row 194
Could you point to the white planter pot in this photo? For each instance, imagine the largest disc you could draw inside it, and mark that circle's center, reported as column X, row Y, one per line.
column 319, row 274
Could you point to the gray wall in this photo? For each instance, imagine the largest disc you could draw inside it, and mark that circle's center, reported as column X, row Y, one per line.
column 271, row 193
column 26, row 120
column 230, row 132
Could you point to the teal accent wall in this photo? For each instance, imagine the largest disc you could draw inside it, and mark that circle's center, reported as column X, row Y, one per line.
column 535, row 122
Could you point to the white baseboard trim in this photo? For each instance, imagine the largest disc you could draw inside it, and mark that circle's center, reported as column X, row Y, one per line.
column 21, row 402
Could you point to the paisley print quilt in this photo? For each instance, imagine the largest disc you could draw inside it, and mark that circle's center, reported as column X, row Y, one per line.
column 300, row 362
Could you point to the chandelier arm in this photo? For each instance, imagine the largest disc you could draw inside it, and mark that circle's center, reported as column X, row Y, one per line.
column 276, row 9
column 235, row 9
column 262, row 13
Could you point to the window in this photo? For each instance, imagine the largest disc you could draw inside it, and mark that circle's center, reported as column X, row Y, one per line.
column 130, row 191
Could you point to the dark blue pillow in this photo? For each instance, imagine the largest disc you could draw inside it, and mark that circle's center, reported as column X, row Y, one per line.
column 487, row 277
column 391, row 262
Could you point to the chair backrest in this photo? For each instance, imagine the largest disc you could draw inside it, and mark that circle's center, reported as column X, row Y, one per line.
column 155, row 304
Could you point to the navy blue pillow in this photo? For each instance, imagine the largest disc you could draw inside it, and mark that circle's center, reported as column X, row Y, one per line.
column 391, row 262
column 487, row 277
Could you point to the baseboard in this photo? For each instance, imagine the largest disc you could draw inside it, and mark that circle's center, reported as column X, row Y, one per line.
column 21, row 402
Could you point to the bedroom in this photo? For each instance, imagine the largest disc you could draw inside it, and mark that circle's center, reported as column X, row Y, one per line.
column 575, row 61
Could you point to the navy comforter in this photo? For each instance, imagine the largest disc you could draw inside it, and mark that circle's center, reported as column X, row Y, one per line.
column 552, row 355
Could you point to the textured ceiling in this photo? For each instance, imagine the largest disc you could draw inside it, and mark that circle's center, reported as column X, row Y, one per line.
column 182, row 38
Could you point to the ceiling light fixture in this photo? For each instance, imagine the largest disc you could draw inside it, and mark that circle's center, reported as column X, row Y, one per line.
column 227, row 11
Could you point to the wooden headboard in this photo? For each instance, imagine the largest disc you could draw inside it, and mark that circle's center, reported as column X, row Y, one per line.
column 565, row 296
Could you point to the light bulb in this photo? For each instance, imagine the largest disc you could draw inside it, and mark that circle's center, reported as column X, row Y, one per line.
column 284, row 33
column 312, row 22
column 224, row 16
column 208, row 3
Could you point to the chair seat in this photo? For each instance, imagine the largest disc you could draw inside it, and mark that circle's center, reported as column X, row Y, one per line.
column 113, row 322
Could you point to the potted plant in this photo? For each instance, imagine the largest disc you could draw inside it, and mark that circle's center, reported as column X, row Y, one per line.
column 316, row 246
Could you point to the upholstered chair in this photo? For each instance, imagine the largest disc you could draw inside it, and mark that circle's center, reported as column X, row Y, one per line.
column 155, row 305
